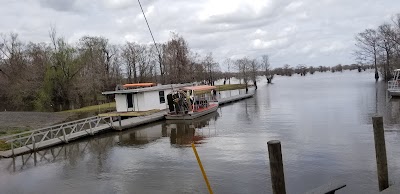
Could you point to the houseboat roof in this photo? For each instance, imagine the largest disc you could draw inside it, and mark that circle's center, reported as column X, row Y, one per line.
column 200, row 88
column 148, row 89
column 139, row 85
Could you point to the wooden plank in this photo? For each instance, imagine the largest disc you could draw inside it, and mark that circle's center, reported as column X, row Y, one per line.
column 234, row 98
column 328, row 188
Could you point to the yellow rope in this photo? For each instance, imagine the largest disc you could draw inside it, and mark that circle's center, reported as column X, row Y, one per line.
column 202, row 169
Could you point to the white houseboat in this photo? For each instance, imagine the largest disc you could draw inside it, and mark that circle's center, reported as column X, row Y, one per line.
column 142, row 96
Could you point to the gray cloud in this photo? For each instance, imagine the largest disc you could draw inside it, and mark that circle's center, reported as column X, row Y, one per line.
column 59, row 5
column 292, row 32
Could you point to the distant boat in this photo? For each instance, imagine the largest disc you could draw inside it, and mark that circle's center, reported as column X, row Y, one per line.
column 191, row 102
column 394, row 84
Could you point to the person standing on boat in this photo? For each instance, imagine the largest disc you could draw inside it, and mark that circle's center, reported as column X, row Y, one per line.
column 213, row 94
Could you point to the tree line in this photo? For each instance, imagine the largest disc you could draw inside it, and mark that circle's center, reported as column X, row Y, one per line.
column 59, row 75
column 380, row 47
column 303, row 69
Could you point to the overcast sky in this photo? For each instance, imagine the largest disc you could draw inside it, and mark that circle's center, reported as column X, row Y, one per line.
column 311, row 32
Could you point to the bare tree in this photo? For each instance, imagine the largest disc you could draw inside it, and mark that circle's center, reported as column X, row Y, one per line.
column 211, row 68
column 387, row 45
column 255, row 67
column 176, row 59
column 243, row 66
column 266, row 65
column 368, row 49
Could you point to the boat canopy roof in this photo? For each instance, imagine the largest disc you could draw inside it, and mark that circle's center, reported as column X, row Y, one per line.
column 199, row 88
column 139, row 85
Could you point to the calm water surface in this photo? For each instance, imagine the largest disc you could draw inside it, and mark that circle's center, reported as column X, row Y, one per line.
column 322, row 120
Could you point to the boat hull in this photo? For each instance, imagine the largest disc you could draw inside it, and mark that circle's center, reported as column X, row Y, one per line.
column 191, row 115
column 395, row 93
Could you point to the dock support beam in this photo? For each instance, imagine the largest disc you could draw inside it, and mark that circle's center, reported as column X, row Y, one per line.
column 33, row 143
column 276, row 166
column 119, row 122
column 380, row 150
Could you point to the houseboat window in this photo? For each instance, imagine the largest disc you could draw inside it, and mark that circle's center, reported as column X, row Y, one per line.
column 162, row 97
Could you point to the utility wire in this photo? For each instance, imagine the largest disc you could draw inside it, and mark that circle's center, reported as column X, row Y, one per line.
column 159, row 54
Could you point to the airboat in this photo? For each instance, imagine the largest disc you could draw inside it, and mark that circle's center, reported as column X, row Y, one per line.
column 191, row 102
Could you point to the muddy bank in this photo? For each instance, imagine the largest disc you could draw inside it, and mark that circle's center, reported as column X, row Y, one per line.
column 30, row 120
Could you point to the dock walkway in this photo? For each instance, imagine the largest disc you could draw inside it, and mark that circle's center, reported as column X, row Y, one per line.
column 234, row 98
column 33, row 140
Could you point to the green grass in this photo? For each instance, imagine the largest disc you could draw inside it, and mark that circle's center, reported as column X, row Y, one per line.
column 10, row 131
column 95, row 108
column 4, row 146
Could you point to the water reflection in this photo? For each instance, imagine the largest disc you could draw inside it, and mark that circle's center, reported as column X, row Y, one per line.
column 323, row 122
column 180, row 133
column 69, row 153
column 184, row 132
column 385, row 106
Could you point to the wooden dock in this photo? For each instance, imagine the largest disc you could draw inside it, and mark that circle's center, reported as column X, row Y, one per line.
column 136, row 121
column 129, row 114
column 34, row 140
column 234, row 98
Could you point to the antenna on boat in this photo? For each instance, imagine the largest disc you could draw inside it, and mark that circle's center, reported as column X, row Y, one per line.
column 148, row 26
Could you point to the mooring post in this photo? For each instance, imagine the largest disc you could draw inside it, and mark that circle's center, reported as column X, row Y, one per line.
column 380, row 151
column 173, row 136
column 119, row 122
column 34, row 158
column 12, row 148
column 33, row 143
column 276, row 166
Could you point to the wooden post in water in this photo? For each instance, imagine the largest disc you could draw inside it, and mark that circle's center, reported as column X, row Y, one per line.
column 173, row 136
column 380, row 150
column 33, row 143
column 276, row 166
column 119, row 122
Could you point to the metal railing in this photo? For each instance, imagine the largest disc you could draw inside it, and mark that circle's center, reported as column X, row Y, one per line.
column 393, row 85
column 33, row 139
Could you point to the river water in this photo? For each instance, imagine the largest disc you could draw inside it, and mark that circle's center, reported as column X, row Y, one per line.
column 323, row 121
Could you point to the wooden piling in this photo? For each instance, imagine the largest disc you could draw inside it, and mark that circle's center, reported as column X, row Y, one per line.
column 33, row 143
column 119, row 122
column 380, row 151
column 173, row 136
column 276, row 166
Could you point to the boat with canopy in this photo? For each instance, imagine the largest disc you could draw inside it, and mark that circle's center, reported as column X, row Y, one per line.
column 191, row 102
